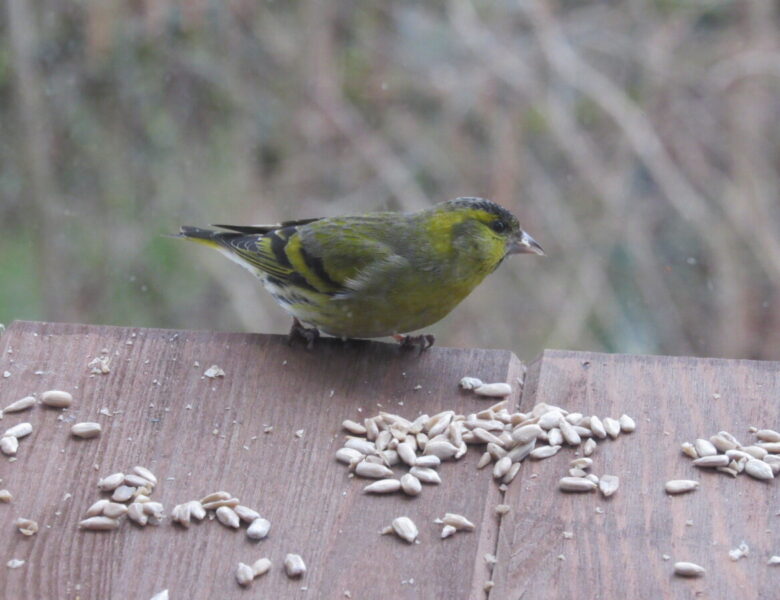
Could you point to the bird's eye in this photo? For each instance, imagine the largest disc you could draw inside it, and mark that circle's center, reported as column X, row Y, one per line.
column 498, row 226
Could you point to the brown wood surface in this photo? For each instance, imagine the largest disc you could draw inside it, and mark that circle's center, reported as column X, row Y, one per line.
column 314, row 508
column 618, row 554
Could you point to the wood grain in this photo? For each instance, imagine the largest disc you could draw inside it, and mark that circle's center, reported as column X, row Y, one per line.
column 199, row 435
column 619, row 554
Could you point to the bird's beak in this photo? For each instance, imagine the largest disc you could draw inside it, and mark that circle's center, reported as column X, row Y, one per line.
column 525, row 244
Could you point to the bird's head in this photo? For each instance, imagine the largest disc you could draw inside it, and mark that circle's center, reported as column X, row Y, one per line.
column 492, row 227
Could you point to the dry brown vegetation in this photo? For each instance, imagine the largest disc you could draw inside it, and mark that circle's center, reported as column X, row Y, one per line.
column 638, row 141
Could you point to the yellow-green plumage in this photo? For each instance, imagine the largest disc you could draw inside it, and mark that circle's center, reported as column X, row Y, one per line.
column 378, row 274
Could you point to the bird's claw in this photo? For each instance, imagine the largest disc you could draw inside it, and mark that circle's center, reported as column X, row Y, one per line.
column 308, row 334
column 422, row 342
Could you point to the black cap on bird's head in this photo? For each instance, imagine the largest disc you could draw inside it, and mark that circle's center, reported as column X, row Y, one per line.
column 502, row 222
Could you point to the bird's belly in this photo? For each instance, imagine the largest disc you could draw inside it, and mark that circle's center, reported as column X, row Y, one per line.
column 368, row 315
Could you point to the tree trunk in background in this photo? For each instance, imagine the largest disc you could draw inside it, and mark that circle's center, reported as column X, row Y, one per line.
column 33, row 116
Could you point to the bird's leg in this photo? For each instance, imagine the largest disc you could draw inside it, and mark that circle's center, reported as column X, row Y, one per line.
column 423, row 341
column 308, row 334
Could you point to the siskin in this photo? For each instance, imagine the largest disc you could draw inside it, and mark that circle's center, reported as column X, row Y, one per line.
column 381, row 274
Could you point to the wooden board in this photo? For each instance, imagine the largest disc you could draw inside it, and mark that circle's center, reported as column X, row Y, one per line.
column 619, row 553
column 199, row 435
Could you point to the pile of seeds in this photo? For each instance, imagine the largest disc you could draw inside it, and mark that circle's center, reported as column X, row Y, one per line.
column 228, row 511
column 134, row 488
column 724, row 453
column 379, row 443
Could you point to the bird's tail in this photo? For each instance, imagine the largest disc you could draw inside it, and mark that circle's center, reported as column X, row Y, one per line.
column 208, row 237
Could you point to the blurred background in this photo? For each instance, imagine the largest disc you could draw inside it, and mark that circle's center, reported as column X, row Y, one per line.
column 638, row 141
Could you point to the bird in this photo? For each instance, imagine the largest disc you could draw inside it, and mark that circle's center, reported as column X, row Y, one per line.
column 378, row 274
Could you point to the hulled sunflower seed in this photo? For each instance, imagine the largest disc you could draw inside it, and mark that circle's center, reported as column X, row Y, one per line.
column 100, row 523
column 627, row 424
column 447, row 531
column 771, row 447
column 261, row 566
column 19, row 405
column 502, row 467
column 544, row 452
column 405, row 529
column 372, row 470
column 348, row 455
column 501, row 509
column 576, row 484
column 576, row 472
column 114, row 510
column 111, row 482
column 755, row 451
column 722, row 442
column 383, row 486
column 459, row 522
column 19, row 430
column 6, row 496
column 86, row 430
column 181, row 514
column 511, row 473
column 608, row 484
column 146, row 474
column 214, row 505
column 56, row 399
column 526, row 433
column 568, row 432
column 410, row 485
column 612, row 427
column 361, row 445
column 773, row 561
column 353, row 427
column 431, row 461
column 258, row 529
column 688, row 569
column 689, row 450
column 680, row 486
column 294, row 565
column 135, row 513
column 26, row 527
column 581, row 463
column 589, row 447
column 493, row 390
column 137, row 481
column 519, row 453
column 123, row 493
column 592, row 477
column 758, row 469
column 597, row 427
column 555, row 437
column 470, row 383
column 484, row 460
column 425, row 474
column 196, row 510
column 718, row 460
column 773, row 461
column 244, row 574
column 246, row 514
column 9, row 445
column 407, row 454
column 154, row 510
column 228, row 517
column 768, row 435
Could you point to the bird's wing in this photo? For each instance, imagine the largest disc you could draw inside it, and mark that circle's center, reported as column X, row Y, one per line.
column 334, row 259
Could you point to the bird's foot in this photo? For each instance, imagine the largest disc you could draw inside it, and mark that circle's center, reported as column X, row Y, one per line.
column 308, row 334
column 422, row 342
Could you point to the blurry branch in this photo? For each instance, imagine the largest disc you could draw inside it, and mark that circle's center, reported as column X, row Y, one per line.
column 650, row 150
column 33, row 114
column 753, row 63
